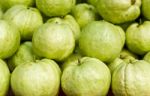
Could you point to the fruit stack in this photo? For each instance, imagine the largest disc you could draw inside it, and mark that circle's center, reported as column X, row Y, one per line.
column 74, row 48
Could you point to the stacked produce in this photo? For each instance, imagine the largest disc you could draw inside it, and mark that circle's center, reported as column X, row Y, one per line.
column 74, row 48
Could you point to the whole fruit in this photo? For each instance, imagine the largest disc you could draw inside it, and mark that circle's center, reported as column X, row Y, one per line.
column 71, row 22
column 24, row 54
column 84, row 14
column 89, row 77
column 5, row 76
column 53, row 40
column 40, row 78
column 145, row 8
column 131, row 78
column 32, row 19
column 9, row 39
column 102, row 40
column 137, row 38
column 118, row 11
column 55, row 7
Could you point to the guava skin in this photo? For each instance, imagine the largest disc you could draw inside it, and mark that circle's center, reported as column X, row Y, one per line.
column 9, row 39
column 54, row 41
column 40, row 78
column 147, row 57
column 119, row 11
column 32, row 19
column 92, row 2
column 131, row 79
column 90, row 77
column 137, row 38
column 71, row 22
column 55, row 8
column 102, row 40
column 5, row 78
column 145, row 9
column 24, row 54
column 84, row 14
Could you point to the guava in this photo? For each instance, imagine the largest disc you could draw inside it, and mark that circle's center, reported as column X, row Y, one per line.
column 102, row 40
column 53, row 40
column 119, row 11
column 26, row 19
column 55, row 7
column 39, row 78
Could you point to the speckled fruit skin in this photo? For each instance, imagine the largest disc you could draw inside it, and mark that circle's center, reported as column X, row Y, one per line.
column 32, row 19
column 102, row 40
column 40, row 78
column 89, row 77
column 55, row 7
column 118, row 11
column 53, row 40
column 9, row 39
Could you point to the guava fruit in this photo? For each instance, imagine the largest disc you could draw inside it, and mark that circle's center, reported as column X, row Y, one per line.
column 137, row 38
column 145, row 9
column 39, row 78
column 131, row 78
column 84, row 14
column 89, row 77
column 119, row 11
column 53, row 40
column 26, row 19
column 55, row 7
column 9, row 39
column 102, row 40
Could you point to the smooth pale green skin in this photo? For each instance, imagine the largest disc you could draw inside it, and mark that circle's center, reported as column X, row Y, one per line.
column 137, row 38
column 71, row 22
column 9, row 39
column 32, row 19
column 131, row 79
column 119, row 11
column 84, row 14
column 71, row 60
column 147, row 57
column 124, row 56
column 102, row 40
column 1, row 13
column 92, row 2
column 53, row 41
column 90, row 77
column 24, row 54
column 40, row 78
column 5, row 77
column 55, row 7
column 6, row 4
column 145, row 9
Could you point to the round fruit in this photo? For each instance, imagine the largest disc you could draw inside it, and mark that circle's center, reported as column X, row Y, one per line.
column 137, row 38
column 55, row 7
column 118, row 11
column 40, row 78
column 89, row 77
column 102, row 40
column 5, row 76
column 53, row 40
column 24, row 54
column 84, row 14
column 32, row 19
column 9, row 39
column 131, row 78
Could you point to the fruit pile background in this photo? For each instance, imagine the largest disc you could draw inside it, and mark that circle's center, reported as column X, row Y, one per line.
column 74, row 48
